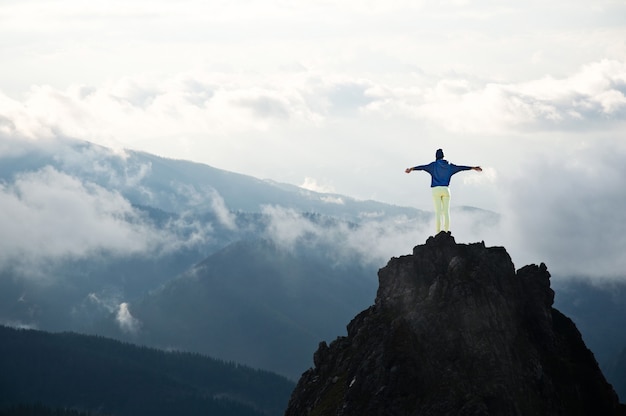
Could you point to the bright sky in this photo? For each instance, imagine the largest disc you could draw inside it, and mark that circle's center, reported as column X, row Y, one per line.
column 342, row 96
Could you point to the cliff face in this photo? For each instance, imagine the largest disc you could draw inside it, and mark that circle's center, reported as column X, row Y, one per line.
column 455, row 330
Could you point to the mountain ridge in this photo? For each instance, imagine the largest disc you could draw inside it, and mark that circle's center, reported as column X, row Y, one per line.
column 284, row 298
column 456, row 330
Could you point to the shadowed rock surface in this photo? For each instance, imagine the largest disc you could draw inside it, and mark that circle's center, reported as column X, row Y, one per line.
column 455, row 330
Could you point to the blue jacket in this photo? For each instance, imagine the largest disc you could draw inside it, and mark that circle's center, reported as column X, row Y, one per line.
column 441, row 171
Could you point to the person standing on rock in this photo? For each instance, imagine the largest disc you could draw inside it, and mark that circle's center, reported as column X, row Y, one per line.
column 441, row 172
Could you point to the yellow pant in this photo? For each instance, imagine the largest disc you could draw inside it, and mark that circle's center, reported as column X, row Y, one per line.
column 441, row 198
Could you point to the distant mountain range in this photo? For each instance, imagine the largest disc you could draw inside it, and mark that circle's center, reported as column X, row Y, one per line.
column 255, row 303
column 181, row 255
column 177, row 186
column 231, row 230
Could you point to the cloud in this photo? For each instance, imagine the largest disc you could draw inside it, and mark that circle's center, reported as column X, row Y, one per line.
column 176, row 115
column 287, row 227
column 265, row 106
column 224, row 215
column 372, row 241
column 190, row 201
column 104, row 301
column 312, row 184
column 594, row 94
column 79, row 206
column 126, row 321
column 329, row 199
column 52, row 216
column 488, row 175
column 565, row 209
column 18, row 324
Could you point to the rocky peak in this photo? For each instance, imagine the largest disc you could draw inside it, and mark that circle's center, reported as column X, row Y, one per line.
column 455, row 330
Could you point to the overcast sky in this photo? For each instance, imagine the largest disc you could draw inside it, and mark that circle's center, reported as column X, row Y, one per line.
column 342, row 96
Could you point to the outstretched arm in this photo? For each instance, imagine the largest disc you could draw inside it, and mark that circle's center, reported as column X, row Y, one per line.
column 420, row 167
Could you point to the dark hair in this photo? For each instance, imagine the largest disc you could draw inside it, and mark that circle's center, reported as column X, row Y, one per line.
column 439, row 154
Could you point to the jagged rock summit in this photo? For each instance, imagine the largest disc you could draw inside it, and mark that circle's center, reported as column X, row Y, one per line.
column 455, row 330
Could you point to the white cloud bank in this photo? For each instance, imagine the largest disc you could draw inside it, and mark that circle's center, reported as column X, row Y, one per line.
column 55, row 215
column 567, row 209
column 48, row 216
column 162, row 114
column 374, row 241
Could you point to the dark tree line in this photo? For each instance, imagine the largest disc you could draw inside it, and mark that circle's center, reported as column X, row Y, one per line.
column 109, row 377
column 41, row 410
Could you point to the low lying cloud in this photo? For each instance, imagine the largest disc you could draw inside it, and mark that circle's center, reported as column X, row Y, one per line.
column 18, row 324
column 372, row 241
column 314, row 185
column 567, row 210
column 222, row 212
column 325, row 192
column 104, row 301
column 287, row 227
column 331, row 199
column 126, row 321
column 489, row 175
column 52, row 217
column 55, row 215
